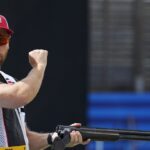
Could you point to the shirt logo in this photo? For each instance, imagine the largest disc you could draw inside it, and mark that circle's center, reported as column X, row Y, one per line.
column 9, row 81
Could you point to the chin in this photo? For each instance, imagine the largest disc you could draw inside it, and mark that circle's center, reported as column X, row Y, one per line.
column 1, row 61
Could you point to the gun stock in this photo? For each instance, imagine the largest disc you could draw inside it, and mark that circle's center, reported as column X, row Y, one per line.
column 103, row 134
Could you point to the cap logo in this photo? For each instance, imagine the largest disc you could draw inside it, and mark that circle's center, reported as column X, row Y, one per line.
column 0, row 20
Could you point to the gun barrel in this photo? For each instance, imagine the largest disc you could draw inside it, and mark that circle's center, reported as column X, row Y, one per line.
column 99, row 136
column 103, row 134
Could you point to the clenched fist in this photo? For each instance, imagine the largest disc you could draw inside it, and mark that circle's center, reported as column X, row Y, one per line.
column 76, row 137
column 38, row 57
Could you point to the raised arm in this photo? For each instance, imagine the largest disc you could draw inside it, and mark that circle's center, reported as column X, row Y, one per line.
column 24, row 91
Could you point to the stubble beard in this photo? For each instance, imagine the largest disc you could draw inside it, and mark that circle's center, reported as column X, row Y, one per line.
column 2, row 59
column 3, row 53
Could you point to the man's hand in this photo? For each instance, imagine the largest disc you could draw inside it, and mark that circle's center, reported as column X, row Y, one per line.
column 38, row 57
column 76, row 137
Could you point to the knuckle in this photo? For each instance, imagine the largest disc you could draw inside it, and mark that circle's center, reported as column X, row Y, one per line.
column 78, row 132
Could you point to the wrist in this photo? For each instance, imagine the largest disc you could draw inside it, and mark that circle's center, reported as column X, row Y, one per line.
column 51, row 137
column 38, row 71
column 41, row 67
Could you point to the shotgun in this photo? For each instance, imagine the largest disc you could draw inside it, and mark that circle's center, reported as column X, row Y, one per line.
column 97, row 134
column 104, row 134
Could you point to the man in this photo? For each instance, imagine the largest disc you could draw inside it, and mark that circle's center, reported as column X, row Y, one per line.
column 14, row 134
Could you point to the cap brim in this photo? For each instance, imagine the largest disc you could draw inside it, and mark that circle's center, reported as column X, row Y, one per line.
column 10, row 31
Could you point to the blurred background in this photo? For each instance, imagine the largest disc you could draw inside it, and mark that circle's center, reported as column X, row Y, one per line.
column 98, row 65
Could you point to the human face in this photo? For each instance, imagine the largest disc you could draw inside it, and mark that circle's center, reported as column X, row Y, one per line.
column 4, row 45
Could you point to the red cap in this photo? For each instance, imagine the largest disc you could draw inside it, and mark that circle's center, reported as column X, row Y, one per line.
column 4, row 25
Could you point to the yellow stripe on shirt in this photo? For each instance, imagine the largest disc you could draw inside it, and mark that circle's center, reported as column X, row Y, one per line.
column 23, row 147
